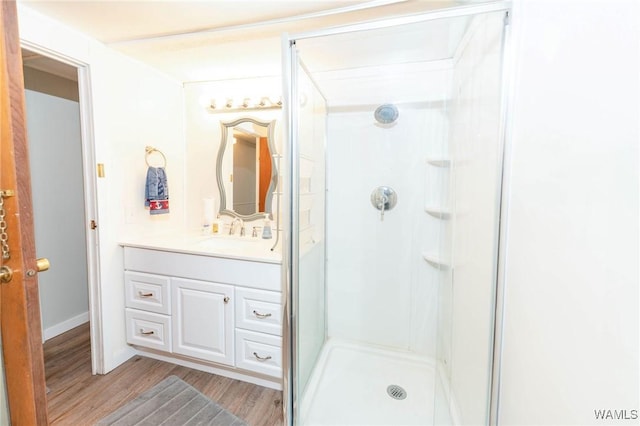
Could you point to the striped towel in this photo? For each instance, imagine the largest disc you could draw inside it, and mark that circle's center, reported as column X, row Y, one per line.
column 157, row 191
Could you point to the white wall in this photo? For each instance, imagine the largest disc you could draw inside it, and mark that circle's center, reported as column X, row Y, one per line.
column 55, row 154
column 571, row 323
column 133, row 106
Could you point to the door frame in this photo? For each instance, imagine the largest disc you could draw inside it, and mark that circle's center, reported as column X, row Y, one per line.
column 89, row 173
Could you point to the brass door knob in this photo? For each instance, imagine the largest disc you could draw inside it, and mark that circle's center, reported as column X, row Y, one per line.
column 5, row 274
column 42, row 264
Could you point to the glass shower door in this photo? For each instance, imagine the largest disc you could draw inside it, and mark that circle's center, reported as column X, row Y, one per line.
column 308, row 219
column 468, row 292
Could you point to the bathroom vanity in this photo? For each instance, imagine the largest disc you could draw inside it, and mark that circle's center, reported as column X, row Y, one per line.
column 212, row 304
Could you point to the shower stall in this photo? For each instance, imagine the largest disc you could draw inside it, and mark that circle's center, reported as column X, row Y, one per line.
column 396, row 141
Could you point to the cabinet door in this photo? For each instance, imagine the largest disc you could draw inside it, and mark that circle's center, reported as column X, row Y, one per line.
column 202, row 320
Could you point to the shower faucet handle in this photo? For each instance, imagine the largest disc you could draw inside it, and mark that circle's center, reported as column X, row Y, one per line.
column 383, row 198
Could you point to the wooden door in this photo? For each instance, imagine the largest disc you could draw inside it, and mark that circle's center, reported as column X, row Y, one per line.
column 265, row 173
column 19, row 304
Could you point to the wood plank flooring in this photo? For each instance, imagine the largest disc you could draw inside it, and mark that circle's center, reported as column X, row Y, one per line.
column 77, row 398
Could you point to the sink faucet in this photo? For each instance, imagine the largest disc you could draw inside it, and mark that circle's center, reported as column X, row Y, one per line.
column 233, row 225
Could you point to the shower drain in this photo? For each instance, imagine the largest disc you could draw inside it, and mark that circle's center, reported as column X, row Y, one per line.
column 396, row 392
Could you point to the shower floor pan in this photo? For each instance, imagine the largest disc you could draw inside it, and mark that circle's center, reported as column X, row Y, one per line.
column 354, row 384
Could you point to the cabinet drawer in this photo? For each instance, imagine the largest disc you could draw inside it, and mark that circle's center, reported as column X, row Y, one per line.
column 259, row 310
column 148, row 329
column 259, row 352
column 147, row 292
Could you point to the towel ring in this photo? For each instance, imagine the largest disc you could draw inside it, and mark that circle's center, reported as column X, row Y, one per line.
column 150, row 150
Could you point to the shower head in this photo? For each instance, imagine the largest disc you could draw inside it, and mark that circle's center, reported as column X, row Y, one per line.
column 386, row 114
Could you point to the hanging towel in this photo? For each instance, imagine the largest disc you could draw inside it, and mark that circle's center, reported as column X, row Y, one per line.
column 157, row 191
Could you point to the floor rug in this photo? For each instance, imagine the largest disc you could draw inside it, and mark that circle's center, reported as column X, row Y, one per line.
column 171, row 402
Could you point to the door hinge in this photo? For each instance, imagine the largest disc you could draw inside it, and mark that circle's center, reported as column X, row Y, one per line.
column 93, row 224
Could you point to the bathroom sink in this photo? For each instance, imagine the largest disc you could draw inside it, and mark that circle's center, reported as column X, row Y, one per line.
column 232, row 242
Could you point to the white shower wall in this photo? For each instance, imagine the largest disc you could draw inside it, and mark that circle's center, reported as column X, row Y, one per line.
column 380, row 289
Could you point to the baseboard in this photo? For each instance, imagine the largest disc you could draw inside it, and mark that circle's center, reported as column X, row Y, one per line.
column 221, row 370
column 119, row 357
column 64, row 326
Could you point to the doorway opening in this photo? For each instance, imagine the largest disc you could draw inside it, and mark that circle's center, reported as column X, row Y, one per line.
column 61, row 158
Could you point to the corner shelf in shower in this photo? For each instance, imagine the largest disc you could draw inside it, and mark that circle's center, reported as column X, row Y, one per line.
column 439, row 162
column 435, row 261
column 438, row 212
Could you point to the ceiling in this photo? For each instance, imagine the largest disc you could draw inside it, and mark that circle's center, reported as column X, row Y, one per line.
column 117, row 20
column 218, row 39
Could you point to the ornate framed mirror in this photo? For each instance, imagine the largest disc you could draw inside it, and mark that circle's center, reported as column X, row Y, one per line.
column 245, row 169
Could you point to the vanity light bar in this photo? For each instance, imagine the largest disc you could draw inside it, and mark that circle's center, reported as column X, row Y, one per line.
column 246, row 104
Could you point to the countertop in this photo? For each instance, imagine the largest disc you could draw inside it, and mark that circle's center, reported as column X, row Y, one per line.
column 229, row 247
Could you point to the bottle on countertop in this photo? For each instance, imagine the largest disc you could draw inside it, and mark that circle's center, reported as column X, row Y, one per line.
column 216, row 226
column 207, row 215
column 266, row 228
column 206, row 225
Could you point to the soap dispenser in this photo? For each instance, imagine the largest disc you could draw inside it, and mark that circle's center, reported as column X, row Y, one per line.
column 266, row 228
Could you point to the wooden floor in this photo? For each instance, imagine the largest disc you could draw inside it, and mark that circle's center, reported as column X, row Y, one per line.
column 78, row 398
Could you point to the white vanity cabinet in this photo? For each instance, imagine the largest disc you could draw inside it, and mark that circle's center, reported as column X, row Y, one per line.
column 217, row 314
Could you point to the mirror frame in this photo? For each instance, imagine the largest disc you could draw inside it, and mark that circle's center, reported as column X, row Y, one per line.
column 226, row 125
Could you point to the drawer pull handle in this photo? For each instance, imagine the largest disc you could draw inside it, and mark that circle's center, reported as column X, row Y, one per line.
column 141, row 294
column 146, row 333
column 259, row 358
column 226, row 299
column 261, row 316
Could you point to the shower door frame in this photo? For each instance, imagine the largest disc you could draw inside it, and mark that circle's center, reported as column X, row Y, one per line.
column 291, row 203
